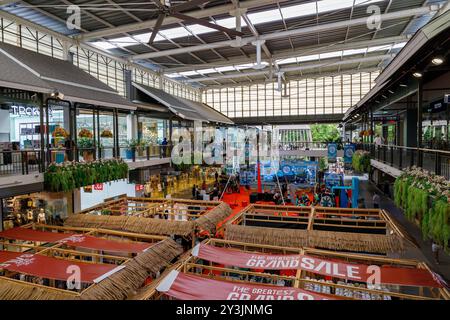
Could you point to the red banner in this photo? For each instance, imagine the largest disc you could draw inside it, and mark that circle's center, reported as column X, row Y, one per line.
column 332, row 267
column 75, row 240
column 190, row 287
column 139, row 187
column 52, row 268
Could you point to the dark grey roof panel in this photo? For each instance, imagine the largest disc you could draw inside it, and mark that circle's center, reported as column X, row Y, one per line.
column 184, row 108
column 175, row 105
column 53, row 68
column 88, row 96
column 208, row 112
column 15, row 76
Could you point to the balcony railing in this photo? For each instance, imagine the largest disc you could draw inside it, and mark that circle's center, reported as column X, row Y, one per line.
column 400, row 157
column 289, row 146
column 25, row 162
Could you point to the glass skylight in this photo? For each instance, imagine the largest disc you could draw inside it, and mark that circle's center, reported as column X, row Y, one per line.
column 295, row 11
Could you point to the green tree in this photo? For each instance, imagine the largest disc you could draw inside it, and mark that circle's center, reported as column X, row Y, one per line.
column 325, row 133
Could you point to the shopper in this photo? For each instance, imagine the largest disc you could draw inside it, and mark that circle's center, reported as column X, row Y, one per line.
column 435, row 248
column 378, row 140
column 376, row 200
column 163, row 148
column 194, row 192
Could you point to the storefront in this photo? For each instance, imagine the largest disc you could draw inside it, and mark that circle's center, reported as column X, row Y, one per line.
column 40, row 207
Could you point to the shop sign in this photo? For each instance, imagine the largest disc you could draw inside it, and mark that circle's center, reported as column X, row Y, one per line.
column 349, row 149
column 27, row 111
column 87, row 189
column 98, row 186
column 332, row 152
column 139, row 187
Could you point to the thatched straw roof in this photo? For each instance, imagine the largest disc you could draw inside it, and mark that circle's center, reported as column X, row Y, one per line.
column 18, row 290
column 356, row 242
column 117, row 286
column 210, row 219
column 126, row 281
column 132, row 224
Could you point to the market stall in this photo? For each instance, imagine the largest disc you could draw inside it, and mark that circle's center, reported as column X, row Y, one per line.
column 48, row 262
column 356, row 230
column 231, row 270
column 183, row 218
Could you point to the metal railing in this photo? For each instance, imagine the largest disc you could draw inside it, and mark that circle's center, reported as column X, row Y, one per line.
column 24, row 162
column 289, row 146
column 20, row 162
column 400, row 157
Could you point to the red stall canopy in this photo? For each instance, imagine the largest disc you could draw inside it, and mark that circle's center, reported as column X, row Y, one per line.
column 52, row 268
column 332, row 268
column 190, row 287
column 75, row 240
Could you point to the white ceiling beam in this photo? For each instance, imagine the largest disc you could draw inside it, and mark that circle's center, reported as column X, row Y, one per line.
column 305, row 66
column 302, row 77
column 218, row 10
column 316, row 49
column 290, row 33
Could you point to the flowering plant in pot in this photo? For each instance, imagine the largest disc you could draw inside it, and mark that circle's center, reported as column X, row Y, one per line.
column 86, row 146
column 131, row 147
column 106, row 133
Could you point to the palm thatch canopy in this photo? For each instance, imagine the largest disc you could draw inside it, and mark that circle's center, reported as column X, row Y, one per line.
column 209, row 220
column 132, row 224
column 18, row 290
column 356, row 242
column 117, row 286
column 127, row 280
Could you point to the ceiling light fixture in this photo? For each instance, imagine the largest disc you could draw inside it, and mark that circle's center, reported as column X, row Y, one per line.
column 417, row 74
column 437, row 61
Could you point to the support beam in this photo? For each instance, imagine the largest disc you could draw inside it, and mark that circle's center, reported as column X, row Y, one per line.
column 214, row 11
column 317, row 49
column 290, row 33
column 307, row 76
column 306, row 66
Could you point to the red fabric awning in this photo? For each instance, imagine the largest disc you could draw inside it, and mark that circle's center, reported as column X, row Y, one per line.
column 53, row 268
column 190, row 287
column 75, row 240
column 332, row 267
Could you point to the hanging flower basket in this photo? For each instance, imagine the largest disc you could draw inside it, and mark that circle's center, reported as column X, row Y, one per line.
column 60, row 133
column 85, row 133
column 106, row 133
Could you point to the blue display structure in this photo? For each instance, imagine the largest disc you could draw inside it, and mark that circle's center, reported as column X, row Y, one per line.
column 333, row 179
column 332, row 152
column 303, row 171
column 349, row 150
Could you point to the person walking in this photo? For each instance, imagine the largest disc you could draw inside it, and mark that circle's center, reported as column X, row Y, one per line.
column 376, row 200
column 163, row 149
column 435, row 248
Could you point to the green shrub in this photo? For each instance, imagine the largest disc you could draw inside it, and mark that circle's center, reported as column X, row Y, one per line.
column 68, row 176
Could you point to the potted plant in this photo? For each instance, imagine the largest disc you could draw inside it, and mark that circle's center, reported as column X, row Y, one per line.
column 106, row 133
column 86, row 146
column 131, row 147
column 142, row 145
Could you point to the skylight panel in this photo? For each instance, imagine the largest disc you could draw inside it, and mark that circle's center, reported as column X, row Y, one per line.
column 331, row 55
column 225, row 69
column 198, row 29
column 124, row 41
column 379, row 48
column 265, row 16
column 173, row 33
column 354, row 51
column 399, row 45
column 300, row 10
column 103, row 45
column 173, row 75
column 206, row 71
column 144, row 37
column 287, row 60
column 189, row 73
column 309, row 58
column 230, row 23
